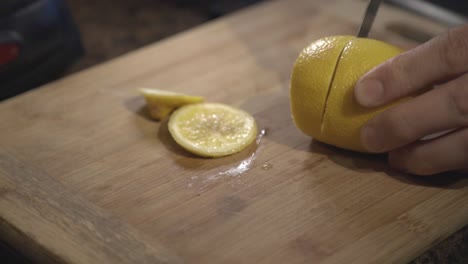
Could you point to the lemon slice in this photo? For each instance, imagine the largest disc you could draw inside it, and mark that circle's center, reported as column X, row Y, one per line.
column 212, row 129
column 161, row 103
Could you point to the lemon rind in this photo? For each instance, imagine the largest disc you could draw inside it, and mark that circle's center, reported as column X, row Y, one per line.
column 161, row 103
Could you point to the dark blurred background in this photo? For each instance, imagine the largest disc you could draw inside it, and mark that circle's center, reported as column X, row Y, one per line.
column 41, row 40
column 132, row 24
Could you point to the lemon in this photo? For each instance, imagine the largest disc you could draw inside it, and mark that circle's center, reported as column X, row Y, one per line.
column 212, row 129
column 322, row 82
column 162, row 103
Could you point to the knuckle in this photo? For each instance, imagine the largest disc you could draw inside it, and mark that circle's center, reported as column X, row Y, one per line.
column 397, row 75
column 458, row 97
column 399, row 126
column 454, row 49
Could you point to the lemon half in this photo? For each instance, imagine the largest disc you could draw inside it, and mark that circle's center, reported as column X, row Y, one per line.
column 212, row 129
column 322, row 82
column 162, row 103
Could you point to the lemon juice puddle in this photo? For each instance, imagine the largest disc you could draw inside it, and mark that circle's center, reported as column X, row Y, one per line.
column 232, row 175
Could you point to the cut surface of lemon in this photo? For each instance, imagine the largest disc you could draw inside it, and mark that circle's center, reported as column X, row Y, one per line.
column 212, row 129
column 162, row 103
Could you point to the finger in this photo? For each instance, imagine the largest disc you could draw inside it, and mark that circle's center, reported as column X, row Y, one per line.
column 447, row 153
column 441, row 109
column 416, row 69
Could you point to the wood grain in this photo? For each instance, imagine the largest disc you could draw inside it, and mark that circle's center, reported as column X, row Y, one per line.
column 52, row 224
column 81, row 160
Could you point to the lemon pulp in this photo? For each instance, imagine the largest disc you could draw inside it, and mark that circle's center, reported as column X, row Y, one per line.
column 212, row 129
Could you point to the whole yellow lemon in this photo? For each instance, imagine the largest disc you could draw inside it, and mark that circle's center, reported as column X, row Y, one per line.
column 322, row 82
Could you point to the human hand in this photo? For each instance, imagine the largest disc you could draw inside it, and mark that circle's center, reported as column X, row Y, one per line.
column 441, row 64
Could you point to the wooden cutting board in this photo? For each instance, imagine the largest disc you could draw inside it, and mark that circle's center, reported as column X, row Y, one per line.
column 87, row 177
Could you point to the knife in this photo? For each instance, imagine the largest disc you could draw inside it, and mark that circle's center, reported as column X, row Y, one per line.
column 369, row 16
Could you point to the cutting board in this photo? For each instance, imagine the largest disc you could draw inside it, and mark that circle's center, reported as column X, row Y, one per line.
column 87, row 177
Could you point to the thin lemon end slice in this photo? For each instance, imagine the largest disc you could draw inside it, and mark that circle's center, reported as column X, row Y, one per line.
column 212, row 129
column 162, row 103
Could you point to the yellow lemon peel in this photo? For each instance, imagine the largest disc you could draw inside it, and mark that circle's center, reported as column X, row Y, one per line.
column 322, row 82
column 162, row 103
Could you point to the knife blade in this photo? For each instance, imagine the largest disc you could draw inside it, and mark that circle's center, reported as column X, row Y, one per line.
column 368, row 19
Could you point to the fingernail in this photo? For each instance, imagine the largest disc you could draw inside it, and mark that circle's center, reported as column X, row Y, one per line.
column 369, row 93
column 371, row 140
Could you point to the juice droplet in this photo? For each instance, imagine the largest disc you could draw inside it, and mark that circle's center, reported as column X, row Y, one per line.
column 260, row 136
column 203, row 182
